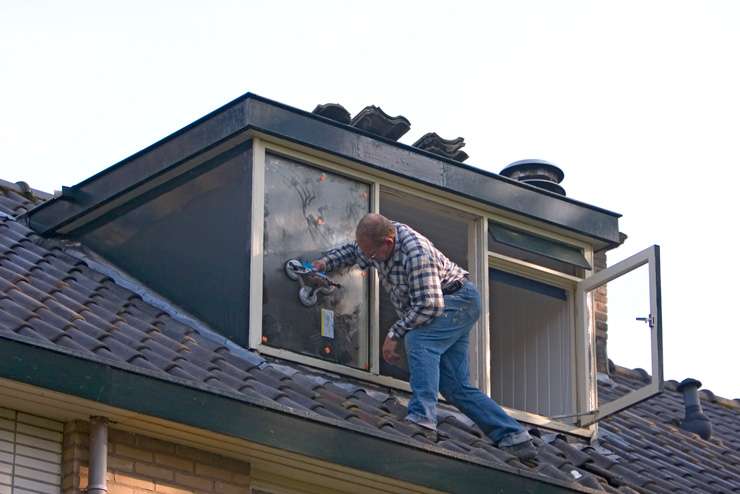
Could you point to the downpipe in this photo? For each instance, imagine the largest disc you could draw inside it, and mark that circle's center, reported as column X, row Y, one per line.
column 98, row 467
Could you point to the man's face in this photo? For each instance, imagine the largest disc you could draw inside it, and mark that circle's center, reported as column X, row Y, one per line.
column 376, row 251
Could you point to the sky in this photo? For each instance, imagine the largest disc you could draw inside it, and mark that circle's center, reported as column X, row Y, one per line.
column 637, row 101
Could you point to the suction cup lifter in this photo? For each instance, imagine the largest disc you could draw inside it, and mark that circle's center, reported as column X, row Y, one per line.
column 312, row 282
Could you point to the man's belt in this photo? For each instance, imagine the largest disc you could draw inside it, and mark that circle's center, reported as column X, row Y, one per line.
column 453, row 287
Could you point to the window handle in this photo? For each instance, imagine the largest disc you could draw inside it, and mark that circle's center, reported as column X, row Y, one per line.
column 650, row 320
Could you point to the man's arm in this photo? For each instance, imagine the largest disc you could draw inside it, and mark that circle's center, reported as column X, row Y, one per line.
column 346, row 255
column 425, row 292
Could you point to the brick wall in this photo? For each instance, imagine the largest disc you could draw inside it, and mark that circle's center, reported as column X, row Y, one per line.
column 139, row 464
column 600, row 300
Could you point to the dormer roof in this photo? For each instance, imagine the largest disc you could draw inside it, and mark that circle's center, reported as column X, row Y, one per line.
column 251, row 115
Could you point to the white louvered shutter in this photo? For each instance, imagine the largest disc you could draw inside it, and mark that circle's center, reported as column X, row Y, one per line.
column 30, row 454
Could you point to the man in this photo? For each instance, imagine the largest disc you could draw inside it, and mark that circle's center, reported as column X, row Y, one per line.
column 437, row 306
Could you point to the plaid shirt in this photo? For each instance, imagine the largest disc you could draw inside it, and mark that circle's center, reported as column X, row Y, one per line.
column 413, row 276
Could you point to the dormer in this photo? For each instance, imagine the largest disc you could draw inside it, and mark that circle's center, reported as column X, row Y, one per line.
column 208, row 217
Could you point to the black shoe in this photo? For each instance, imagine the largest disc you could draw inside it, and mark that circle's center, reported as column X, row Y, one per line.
column 523, row 451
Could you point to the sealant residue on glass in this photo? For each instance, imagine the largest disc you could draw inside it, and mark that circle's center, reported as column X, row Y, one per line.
column 309, row 211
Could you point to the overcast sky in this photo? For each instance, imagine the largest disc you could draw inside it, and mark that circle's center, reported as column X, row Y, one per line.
column 637, row 101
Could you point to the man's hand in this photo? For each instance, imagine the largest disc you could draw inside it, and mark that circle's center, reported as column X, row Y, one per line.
column 319, row 265
column 391, row 353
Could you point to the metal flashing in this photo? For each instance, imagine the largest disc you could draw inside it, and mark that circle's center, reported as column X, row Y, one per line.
column 252, row 112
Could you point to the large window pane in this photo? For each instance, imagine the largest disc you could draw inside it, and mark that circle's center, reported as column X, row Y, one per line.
column 307, row 211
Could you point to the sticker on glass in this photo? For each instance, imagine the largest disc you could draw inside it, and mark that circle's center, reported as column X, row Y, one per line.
column 327, row 323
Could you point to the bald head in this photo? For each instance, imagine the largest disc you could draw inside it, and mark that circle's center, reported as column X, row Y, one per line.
column 374, row 228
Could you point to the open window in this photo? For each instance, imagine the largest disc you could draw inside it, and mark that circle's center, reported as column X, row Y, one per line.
column 532, row 351
column 543, row 315
column 450, row 230
column 634, row 312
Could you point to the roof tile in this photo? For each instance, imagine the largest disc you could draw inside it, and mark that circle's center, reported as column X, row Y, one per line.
column 51, row 296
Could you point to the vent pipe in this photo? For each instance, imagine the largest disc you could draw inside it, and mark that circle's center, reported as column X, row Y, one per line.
column 694, row 421
column 539, row 173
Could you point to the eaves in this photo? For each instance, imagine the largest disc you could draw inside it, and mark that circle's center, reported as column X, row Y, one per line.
column 126, row 387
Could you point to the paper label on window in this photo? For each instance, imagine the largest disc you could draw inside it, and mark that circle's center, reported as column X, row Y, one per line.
column 327, row 323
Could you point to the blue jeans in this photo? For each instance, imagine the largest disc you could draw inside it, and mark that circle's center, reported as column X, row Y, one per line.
column 437, row 355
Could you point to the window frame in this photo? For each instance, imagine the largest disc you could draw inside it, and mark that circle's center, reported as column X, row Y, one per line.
column 364, row 338
column 650, row 257
column 475, row 248
column 261, row 146
column 568, row 283
column 479, row 257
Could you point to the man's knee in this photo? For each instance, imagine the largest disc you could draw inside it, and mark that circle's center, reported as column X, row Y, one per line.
column 456, row 391
column 448, row 394
column 449, row 389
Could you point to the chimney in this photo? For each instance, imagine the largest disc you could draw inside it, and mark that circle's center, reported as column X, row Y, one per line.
column 695, row 420
column 539, row 173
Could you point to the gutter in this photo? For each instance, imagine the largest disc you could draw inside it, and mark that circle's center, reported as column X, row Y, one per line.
column 257, row 420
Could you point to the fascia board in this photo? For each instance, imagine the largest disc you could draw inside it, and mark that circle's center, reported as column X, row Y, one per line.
column 272, row 118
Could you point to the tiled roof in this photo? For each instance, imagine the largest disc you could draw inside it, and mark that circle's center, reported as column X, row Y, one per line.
column 17, row 198
column 48, row 295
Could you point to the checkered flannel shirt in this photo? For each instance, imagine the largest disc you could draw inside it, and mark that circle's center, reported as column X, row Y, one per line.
column 413, row 276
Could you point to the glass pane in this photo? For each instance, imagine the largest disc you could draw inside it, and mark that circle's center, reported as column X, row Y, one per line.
column 538, row 250
column 531, row 344
column 448, row 231
column 539, row 245
column 307, row 211
column 621, row 312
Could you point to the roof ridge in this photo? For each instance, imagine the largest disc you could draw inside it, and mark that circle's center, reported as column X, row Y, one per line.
column 18, row 198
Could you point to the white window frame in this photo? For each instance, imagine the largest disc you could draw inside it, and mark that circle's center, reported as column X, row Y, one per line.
column 582, row 383
column 260, row 149
column 261, row 146
column 479, row 257
column 584, row 301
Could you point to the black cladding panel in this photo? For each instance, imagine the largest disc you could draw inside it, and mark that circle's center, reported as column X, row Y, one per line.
column 189, row 240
